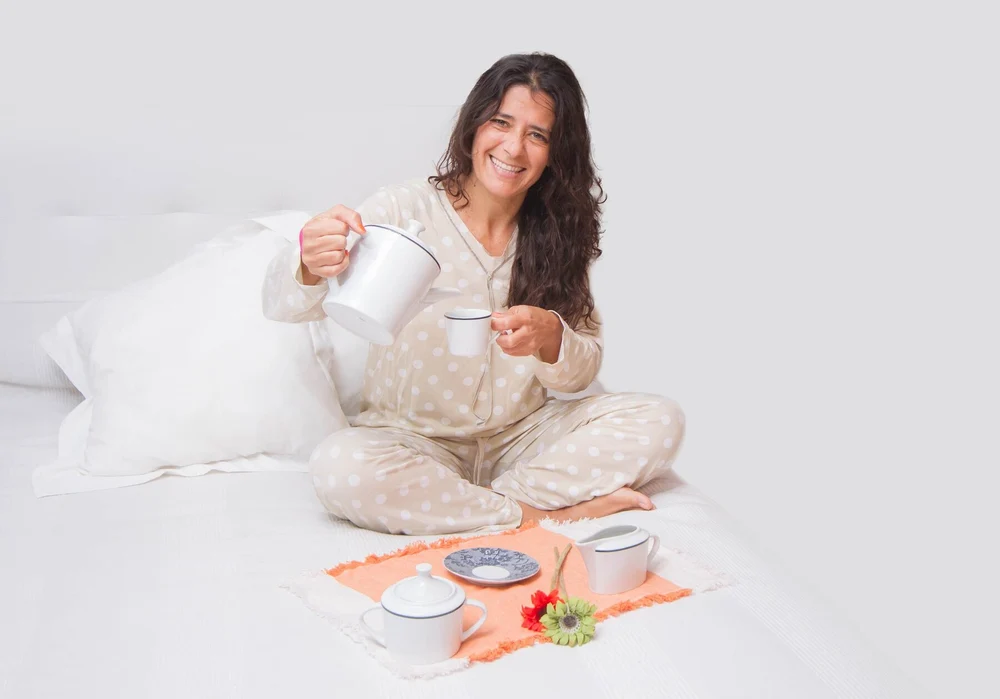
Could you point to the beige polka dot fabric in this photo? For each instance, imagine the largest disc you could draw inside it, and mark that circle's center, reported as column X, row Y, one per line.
column 448, row 444
column 399, row 482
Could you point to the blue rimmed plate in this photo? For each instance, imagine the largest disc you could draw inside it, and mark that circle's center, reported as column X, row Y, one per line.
column 490, row 566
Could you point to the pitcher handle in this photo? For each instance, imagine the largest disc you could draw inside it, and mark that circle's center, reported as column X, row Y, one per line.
column 479, row 622
column 653, row 550
column 379, row 638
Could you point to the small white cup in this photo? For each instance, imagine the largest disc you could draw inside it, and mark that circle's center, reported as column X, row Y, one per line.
column 469, row 333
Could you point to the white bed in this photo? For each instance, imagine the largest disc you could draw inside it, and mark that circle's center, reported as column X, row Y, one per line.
column 172, row 588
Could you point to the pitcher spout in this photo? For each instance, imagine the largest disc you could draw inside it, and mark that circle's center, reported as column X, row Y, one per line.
column 588, row 551
column 430, row 298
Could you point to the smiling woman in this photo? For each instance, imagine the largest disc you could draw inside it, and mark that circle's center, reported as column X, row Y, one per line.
column 522, row 140
column 447, row 443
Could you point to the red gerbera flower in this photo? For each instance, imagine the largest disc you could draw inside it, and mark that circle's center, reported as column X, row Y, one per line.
column 539, row 601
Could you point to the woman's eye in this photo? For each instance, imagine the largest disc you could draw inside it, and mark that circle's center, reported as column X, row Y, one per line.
column 538, row 136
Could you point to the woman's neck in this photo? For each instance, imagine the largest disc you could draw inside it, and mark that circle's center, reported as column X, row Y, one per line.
column 489, row 219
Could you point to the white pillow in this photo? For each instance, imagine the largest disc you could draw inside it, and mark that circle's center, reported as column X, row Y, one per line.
column 51, row 265
column 182, row 369
column 341, row 353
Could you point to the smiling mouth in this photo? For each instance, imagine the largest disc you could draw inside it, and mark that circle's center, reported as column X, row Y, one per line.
column 505, row 168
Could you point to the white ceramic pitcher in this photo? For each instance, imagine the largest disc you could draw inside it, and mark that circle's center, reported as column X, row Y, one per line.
column 617, row 558
column 387, row 282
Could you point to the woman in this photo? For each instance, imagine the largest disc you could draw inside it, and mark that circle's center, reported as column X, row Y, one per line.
column 447, row 444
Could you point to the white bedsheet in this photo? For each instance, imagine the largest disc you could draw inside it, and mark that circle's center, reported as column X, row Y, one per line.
column 171, row 589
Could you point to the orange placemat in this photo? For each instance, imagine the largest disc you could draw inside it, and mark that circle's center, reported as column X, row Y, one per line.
column 502, row 633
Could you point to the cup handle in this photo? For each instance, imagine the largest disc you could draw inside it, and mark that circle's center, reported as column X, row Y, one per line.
column 653, row 550
column 494, row 334
column 368, row 629
column 479, row 622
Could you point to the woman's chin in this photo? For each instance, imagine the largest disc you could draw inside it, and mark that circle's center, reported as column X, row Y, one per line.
column 504, row 188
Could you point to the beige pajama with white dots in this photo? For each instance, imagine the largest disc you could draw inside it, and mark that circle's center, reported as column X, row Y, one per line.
column 447, row 444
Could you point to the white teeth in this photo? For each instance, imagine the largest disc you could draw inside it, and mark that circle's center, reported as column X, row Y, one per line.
column 505, row 167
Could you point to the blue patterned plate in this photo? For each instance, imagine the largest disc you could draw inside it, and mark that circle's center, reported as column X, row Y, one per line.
column 489, row 566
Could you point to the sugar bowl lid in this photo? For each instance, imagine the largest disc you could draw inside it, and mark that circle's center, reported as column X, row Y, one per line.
column 423, row 596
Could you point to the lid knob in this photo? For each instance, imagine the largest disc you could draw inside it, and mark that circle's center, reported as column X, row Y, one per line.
column 423, row 595
column 414, row 227
column 424, row 588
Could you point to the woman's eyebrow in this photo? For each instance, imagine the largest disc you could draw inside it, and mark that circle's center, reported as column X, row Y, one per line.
column 509, row 117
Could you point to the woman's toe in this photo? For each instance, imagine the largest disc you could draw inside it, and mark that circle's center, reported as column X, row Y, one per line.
column 643, row 501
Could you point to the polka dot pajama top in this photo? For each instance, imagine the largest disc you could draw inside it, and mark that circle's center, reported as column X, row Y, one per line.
column 447, row 444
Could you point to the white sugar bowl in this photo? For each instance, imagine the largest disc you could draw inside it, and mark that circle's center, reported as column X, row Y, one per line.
column 422, row 618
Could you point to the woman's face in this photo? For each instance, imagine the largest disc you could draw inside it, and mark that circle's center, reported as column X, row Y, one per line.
column 510, row 151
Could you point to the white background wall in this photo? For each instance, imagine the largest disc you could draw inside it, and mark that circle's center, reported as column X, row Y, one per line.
column 801, row 235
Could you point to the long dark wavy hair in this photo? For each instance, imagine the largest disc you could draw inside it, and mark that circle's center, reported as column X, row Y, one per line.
column 559, row 224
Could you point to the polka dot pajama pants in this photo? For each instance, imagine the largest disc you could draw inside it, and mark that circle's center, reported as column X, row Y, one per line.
column 566, row 452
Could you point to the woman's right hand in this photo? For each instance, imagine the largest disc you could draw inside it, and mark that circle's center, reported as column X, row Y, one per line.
column 324, row 243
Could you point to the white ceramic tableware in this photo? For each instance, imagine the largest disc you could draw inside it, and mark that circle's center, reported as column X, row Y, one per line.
column 469, row 333
column 387, row 282
column 617, row 558
column 422, row 618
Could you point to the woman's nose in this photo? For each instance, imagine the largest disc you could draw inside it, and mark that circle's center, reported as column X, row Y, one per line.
column 513, row 145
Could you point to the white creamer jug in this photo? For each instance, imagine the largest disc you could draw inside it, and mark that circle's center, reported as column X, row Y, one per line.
column 617, row 558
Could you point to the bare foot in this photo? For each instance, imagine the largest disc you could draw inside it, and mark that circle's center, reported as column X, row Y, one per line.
column 621, row 499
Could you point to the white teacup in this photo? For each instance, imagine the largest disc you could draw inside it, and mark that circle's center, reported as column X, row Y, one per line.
column 469, row 333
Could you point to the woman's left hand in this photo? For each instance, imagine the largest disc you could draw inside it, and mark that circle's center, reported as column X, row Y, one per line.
column 532, row 329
